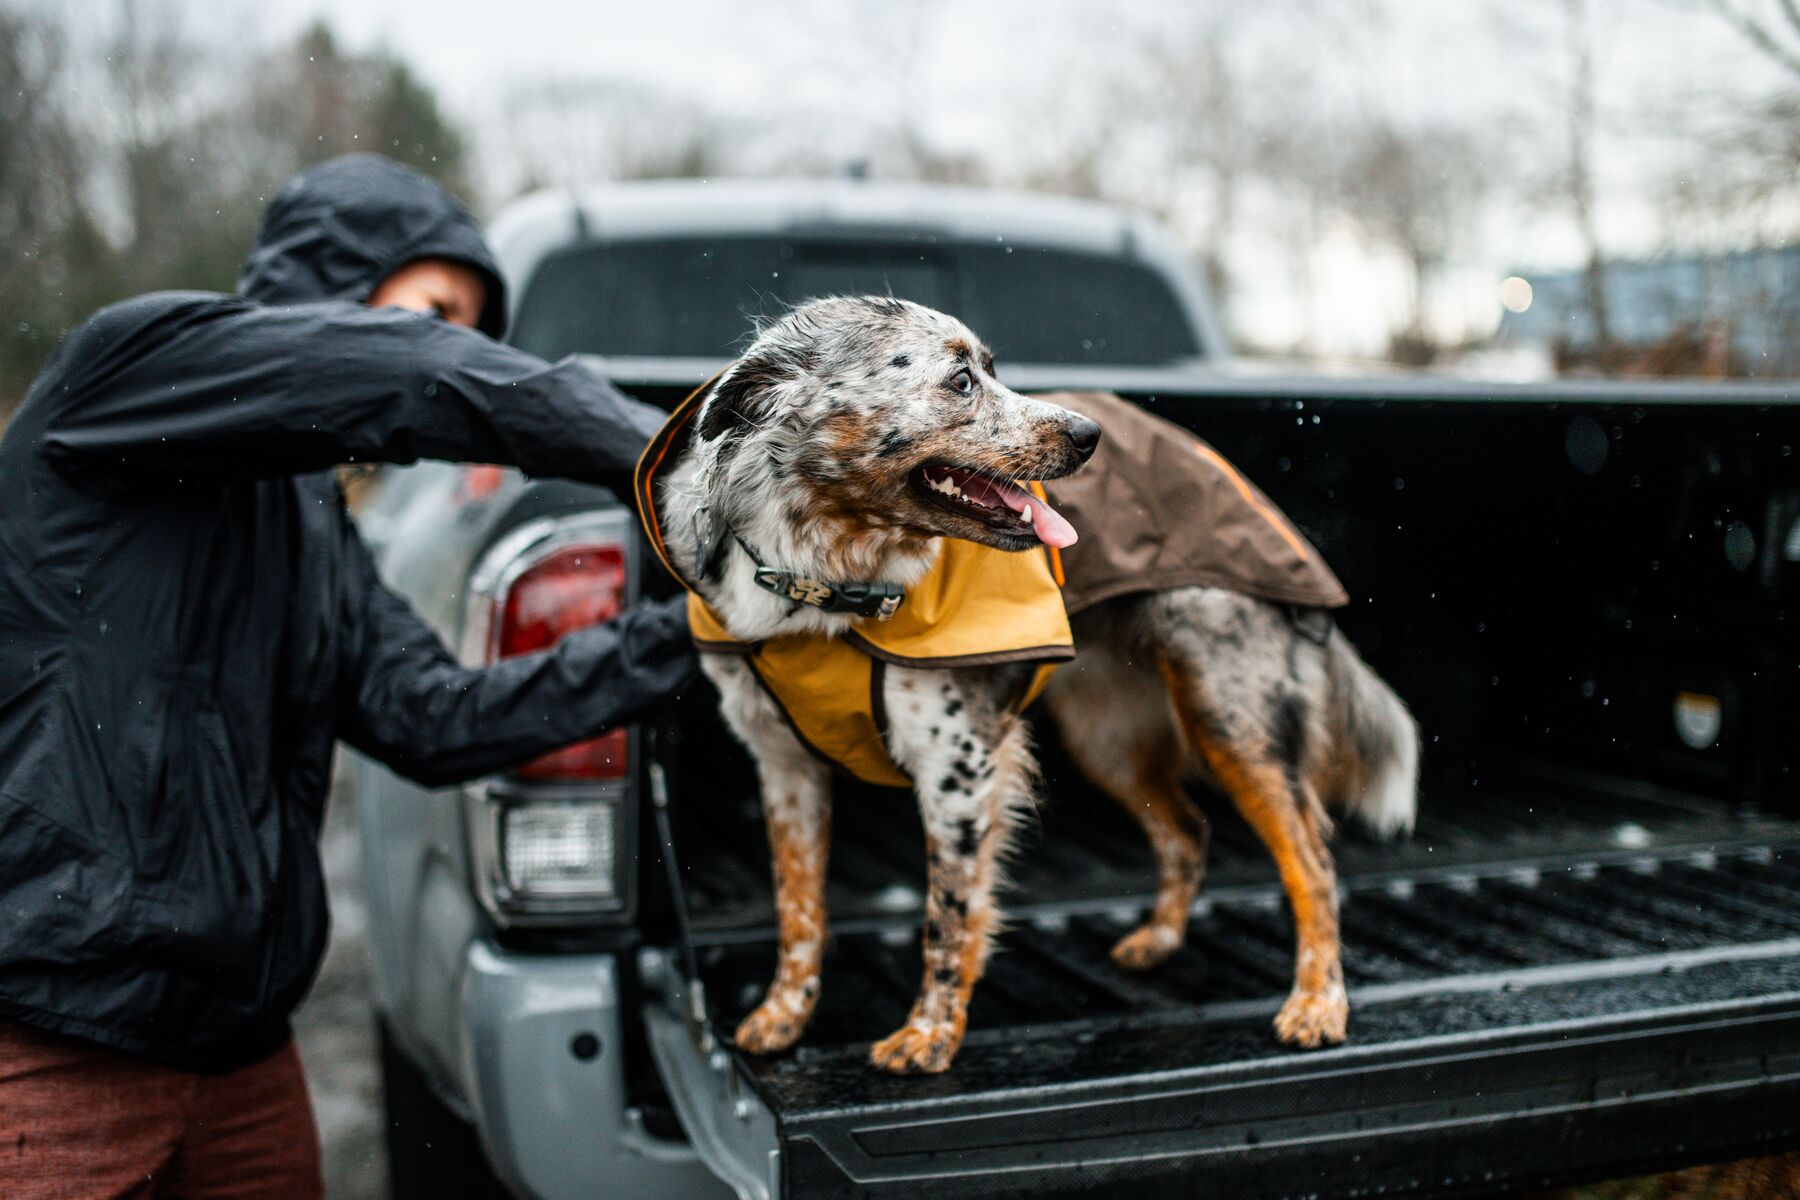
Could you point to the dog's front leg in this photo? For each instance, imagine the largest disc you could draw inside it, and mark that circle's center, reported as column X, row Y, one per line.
column 972, row 767
column 796, row 799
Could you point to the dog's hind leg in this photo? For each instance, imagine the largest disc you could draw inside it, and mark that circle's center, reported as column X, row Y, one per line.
column 1249, row 705
column 1178, row 833
column 971, row 762
column 1117, row 726
column 796, row 800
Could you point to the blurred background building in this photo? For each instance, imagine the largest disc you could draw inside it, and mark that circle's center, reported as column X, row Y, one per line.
column 1733, row 313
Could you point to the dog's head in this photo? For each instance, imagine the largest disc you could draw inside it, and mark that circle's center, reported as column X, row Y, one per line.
column 867, row 414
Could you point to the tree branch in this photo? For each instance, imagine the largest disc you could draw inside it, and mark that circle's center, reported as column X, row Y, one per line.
column 1792, row 9
column 1758, row 34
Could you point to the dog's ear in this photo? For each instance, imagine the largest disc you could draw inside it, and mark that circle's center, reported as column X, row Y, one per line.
column 742, row 398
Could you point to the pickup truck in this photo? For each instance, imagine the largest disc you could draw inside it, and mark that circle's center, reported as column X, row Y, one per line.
column 1586, row 962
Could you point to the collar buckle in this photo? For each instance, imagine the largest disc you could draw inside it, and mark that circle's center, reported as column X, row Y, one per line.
column 878, row 600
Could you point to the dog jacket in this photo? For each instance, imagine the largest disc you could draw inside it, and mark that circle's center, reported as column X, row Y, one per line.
column 976, row 606
column 1157, row 508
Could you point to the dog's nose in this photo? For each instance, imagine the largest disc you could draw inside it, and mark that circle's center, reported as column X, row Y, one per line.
column 1084, row 435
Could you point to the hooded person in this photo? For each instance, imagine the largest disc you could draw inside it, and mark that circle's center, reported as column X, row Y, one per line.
column 188, row 619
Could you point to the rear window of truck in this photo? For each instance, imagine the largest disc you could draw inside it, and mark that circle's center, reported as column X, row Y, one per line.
column 699, row 297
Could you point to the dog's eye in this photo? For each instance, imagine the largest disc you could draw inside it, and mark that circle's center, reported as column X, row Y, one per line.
column 963, row 382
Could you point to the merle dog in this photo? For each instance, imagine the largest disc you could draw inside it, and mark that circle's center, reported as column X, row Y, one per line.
column 851, row 437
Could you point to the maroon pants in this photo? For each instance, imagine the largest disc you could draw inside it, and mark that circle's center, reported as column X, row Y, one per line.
column 81, row 1122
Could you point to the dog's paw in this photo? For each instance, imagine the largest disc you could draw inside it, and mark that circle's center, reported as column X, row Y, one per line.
column 771, row 1029
column 1312, row 1019
column 914, row 1051
column 1145, row 947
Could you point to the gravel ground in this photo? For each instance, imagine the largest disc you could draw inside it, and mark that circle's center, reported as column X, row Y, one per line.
column 335, row 1026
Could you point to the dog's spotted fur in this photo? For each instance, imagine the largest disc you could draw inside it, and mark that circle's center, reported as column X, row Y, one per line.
column 808, row 448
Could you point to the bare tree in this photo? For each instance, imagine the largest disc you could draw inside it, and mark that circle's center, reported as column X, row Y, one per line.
column 313, row 99
column 42, row 218
column 1196, row 86
column 139, row 156
column 569, row 131
column 1559, row 45
column 1418, row 190
column 1734, row 179
column 1772, row 29
column 1581, row 119
column 1222, row 102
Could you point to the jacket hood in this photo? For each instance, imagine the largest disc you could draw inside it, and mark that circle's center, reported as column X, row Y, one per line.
column 336, row 230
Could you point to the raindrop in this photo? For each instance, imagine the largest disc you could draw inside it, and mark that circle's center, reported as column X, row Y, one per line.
column 1584, row 442
column 1740, row 546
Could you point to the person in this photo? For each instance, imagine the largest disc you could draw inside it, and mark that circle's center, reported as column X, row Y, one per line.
column 188, row 620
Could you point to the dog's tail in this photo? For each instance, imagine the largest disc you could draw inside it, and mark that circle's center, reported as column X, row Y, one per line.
column 1375, row 728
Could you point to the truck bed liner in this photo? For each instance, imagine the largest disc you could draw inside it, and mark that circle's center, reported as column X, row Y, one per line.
column 1052, row 983
column 1081, row 852
column 1540, row 971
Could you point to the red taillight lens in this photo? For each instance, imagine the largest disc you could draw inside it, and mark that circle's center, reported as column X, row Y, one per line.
column 569, row 589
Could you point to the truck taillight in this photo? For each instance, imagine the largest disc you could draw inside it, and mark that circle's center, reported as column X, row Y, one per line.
column 570, row 588
column 550, row 842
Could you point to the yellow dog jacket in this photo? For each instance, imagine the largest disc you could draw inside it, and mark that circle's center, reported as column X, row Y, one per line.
column 976, row 606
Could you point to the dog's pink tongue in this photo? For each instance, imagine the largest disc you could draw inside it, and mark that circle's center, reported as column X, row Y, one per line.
column 1051, row 527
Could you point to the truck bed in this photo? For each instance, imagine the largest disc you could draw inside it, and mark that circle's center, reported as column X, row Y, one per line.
column 1585, row 963
column 1081, row 854
column 1605, row 974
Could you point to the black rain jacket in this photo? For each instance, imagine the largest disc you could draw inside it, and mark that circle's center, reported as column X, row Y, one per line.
column 188, row 619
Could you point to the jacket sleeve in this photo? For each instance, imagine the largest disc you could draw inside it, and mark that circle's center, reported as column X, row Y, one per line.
column 197, row 385
column 406, row 701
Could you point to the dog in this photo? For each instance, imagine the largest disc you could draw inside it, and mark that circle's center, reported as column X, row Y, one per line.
column 852, row 440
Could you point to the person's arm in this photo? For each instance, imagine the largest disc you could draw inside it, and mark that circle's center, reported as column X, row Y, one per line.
column 202, row 386
column 407, row 702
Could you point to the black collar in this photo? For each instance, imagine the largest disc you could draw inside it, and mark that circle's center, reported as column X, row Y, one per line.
column 878, row 600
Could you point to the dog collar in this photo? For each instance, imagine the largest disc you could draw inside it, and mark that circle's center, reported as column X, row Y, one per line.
column 878, row 600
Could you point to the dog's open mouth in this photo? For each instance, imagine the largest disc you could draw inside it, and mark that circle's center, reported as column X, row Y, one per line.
column 998, row 503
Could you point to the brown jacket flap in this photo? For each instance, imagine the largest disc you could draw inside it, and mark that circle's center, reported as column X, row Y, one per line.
column 1157, row 508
